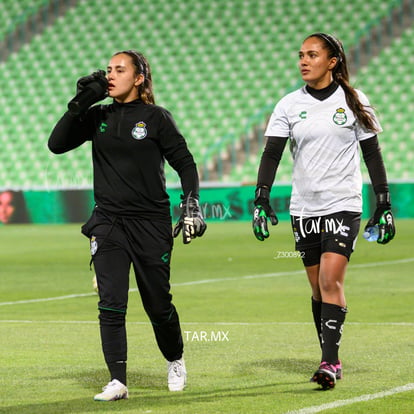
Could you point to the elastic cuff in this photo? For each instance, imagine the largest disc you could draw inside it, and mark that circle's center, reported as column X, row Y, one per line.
column 262, row 192
column 384, row 199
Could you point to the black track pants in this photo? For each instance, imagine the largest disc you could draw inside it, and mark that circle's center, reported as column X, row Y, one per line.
column 116, row 243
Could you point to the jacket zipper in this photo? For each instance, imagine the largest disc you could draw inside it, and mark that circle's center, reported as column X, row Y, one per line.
column 120, row 121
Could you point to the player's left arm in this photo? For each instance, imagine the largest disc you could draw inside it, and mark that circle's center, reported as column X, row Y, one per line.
column 191, row 221
column 383, row 216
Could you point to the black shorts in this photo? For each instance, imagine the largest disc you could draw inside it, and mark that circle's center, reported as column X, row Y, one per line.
column 335, row 233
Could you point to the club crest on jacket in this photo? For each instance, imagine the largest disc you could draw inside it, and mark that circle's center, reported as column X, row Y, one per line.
column 139, row 131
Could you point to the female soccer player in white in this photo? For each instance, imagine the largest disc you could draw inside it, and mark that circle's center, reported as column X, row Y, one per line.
column 325, row 121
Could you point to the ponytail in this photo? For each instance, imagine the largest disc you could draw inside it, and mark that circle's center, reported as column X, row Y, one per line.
column 145, row 91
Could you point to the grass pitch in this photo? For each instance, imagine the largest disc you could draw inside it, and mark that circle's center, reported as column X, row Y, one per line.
column 250, row 344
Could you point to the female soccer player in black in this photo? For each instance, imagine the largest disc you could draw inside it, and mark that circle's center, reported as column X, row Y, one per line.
column 131, row 222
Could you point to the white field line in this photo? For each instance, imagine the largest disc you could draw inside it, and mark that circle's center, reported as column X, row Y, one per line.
column 206, row 281
column 361, row 398
column 95, row 322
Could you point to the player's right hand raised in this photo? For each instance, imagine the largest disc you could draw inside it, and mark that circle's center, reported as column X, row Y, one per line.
column 97, row 76
column 89, row 90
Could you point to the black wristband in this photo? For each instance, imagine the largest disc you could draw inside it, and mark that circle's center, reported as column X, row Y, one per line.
column 262, row 192
column 384, row 200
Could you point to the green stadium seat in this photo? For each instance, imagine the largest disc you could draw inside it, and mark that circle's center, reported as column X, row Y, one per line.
column 215, row 66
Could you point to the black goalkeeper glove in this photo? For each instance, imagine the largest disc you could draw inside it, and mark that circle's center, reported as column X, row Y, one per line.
column 383, row 218
column 261, row 213
column 191, row 221
column 89, row 90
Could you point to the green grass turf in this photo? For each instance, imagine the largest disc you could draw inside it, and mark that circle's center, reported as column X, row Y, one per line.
column 251, row 302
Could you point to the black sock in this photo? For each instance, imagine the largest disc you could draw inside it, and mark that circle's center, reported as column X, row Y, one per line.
column 114, row 343
column 333, row 318
column 117, row 370
column 316, row 311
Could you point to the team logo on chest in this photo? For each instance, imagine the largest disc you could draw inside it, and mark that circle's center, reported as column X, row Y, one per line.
column 340, row 117
column 139, row 131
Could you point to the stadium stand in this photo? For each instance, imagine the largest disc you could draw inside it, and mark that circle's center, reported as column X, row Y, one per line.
column 388, row 83
column 388, row 80
column 218, row 66
column 15, row 12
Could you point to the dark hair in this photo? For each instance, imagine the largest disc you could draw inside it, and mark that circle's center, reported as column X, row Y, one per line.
column 142, row 66
column 340, row 75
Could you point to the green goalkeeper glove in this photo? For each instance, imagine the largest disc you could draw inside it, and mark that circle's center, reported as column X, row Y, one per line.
column 383, row 218
column 262, row 212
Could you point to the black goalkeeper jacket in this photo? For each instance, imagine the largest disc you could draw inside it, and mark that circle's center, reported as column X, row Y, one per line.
column 130, row 143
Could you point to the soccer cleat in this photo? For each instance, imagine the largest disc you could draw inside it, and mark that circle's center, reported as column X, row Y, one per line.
column 325, row 376
column 338, row 368
column 113, row 391
column 177, row 375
